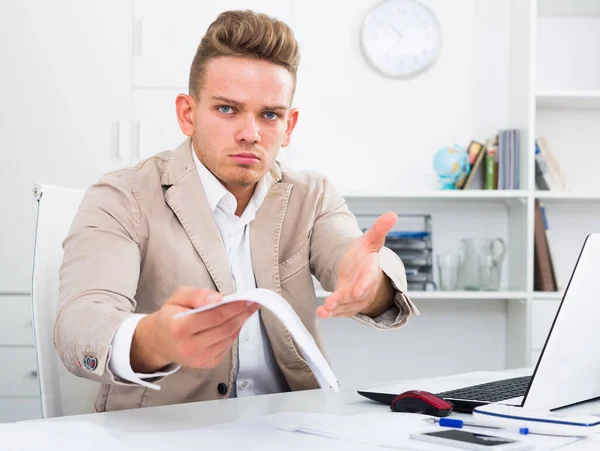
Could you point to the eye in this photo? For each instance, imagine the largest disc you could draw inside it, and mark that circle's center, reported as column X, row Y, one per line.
column 225, row 109
column 270, row 115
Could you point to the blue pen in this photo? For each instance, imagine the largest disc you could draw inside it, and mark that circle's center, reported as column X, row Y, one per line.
column 456, row 423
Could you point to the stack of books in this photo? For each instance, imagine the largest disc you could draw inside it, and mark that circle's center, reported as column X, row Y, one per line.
column 495, row 164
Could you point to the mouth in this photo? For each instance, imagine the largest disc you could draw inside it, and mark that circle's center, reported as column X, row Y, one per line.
column 246, row 158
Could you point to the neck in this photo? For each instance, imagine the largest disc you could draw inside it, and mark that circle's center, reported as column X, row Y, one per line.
column 242, row 194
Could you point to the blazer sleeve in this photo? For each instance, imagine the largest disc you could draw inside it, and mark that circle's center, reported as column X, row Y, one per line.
column 98, row 277
column 335, row 228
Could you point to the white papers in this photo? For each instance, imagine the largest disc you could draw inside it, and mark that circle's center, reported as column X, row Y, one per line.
column 392, row 429
column 257, row 434
column 286, row 314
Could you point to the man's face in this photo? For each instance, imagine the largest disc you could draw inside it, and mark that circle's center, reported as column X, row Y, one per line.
column 242, row 118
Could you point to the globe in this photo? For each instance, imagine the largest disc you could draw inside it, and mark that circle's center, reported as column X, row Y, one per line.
column 451, row 164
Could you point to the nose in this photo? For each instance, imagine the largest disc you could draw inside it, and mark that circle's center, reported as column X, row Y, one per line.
column 249, row 131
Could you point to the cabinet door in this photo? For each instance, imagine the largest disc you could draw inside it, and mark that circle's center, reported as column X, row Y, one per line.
column 168, row 34
column 66, row 95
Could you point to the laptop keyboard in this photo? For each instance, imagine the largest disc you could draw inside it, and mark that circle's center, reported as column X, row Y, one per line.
column 491, row 391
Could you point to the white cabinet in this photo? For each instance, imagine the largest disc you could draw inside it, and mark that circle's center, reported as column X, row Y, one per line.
column 68, row 89
column 16, row 325
column 19, row 376
column 66, row 96
column 168, row 34
column 19, row 383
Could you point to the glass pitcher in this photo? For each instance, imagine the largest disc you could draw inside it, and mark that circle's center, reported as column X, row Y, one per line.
column 482, row 263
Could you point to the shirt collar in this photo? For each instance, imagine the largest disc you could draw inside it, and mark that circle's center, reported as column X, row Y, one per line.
column 219, row 197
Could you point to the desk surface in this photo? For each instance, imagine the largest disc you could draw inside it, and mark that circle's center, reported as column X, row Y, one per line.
column 347, row 402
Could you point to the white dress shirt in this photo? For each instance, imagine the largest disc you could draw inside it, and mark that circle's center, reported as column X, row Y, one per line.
column 257, row 371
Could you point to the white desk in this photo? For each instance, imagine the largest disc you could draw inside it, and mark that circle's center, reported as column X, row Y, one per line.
column 125, row 425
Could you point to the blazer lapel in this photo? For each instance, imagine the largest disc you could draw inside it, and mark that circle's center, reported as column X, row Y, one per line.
column 265, row 232
column 186, row 198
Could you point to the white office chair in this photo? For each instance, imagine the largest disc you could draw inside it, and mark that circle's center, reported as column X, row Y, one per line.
column 62, row 392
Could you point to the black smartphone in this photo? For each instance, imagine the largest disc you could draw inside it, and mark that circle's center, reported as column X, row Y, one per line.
column 472, row 440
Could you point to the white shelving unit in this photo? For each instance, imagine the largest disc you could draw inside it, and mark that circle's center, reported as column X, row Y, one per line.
column 554, row 90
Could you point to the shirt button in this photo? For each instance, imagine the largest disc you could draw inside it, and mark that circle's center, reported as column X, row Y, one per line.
column 222, row 388
column 247, row 336
column 244, row 384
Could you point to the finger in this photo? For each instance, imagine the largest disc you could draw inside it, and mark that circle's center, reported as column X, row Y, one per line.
column 191, row 298
column 223, row 315
column 349, row 309
column 215, row 317
column 212, row 356
column 360, row 288
column 323, row 312
column 375, row 236
column 335, row 298
column 227, row 330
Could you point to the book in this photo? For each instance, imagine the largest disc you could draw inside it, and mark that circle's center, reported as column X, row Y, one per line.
column 476, row 178
column 473, row 151
column 543, row 269
column 549, row 166
column 491, row 168
column 551, row 254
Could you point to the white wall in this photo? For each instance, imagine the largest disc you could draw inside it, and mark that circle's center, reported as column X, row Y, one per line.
column 350, row 113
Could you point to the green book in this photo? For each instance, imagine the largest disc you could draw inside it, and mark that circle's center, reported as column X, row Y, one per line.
column 490, row 168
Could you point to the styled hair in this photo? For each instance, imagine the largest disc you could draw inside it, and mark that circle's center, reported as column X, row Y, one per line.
column 245, row 34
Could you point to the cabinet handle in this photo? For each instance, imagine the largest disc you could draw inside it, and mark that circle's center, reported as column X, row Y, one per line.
column 138, row 146
column 123, row 140
column 140, row 37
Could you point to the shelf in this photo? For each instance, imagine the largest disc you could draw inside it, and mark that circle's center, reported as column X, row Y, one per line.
column 548, row 295
column 446, row 194
column 456, row 295
column 467, row 295
column 566, row 195
column 572, row 99
column 585, row 8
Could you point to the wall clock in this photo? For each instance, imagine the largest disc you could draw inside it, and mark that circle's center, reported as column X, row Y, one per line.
column 400, row 38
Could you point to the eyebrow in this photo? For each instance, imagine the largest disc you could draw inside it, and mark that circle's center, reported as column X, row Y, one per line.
column 241, row 105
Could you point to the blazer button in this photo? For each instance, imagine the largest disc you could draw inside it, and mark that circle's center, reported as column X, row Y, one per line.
column 222, row 388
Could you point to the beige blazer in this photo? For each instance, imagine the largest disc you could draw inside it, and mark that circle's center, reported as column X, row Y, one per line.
column 141, row 233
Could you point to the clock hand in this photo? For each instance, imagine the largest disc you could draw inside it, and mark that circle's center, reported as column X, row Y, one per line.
column 400, row 35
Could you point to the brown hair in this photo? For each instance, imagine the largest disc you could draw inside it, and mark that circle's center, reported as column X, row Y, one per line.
column 246, row 34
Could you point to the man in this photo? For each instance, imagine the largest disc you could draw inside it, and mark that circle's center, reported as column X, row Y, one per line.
column 216, row 215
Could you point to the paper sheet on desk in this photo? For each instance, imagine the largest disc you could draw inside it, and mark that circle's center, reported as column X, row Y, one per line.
column 392, row 429
column 286, row 314
column 265, row 433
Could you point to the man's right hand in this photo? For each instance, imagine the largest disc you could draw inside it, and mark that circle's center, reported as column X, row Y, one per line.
column 195, row 341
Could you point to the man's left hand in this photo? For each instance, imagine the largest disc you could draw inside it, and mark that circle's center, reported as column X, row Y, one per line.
column 361, row 285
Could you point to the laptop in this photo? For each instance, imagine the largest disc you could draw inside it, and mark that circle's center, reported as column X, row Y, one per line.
column 568, row 369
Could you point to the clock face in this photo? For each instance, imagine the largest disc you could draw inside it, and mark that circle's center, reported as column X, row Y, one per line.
column 400, row 38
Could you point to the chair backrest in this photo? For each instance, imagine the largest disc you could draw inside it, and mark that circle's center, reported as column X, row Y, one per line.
column 62, row 392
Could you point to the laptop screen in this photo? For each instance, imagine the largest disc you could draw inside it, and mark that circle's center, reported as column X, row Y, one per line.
column 568, row 371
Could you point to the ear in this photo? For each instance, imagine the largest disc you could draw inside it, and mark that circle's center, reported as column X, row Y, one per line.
column 185, row 107
column 291, row 124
